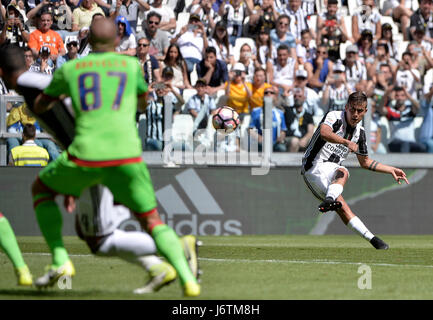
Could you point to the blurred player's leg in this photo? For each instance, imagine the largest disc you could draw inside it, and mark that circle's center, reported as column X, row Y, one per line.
column 139, row 248
column 8, row 243
column 50, row 223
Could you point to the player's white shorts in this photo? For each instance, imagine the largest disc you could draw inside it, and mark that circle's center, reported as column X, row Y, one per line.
column 320, row 176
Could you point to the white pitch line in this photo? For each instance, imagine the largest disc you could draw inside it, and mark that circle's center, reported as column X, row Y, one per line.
column 266, row 261
column 317, row 262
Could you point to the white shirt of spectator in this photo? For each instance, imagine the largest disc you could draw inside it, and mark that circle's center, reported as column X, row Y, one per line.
column 127, row 43
column 302, row 52
column 235, row 19
column 404, row 78
column 355, row 74
column 337, row 97
column 408, row 4
column 263, row 53
column 220, row 54
column 165, row 12
column 203, row 16
column 403, row 129
column 284, row 75
column 191, row 46
column 370, row 22
column 297, row 21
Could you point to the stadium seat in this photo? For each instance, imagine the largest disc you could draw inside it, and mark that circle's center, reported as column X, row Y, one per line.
column 239, row 43
column 312, row 22
column 221, row 98
column 142, row 127
column 187, row 4
column 194, row 75
column 428, row 79
column 343, row 47
column 182, row 130
column 402, row 46
column 182, row 20
column 352, row 6
column 186, row 95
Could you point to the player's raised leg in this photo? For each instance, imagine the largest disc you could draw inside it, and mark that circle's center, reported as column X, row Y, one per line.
column 355, row 224
column 50, row 223
column 335, row 189
column 8, row 243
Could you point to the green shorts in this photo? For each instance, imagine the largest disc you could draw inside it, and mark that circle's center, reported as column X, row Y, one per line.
column 130, row 184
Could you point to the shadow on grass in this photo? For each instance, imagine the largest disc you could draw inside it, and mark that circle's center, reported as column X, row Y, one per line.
column 34, row 293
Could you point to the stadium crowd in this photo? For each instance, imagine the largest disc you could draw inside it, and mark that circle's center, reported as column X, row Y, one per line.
column 308, row 55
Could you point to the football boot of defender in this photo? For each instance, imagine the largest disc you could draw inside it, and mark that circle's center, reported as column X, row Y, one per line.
column 24, row 276
column 378, row 243
column 329, row 204
column 160, row 275
column 190, row 246
column 54, row 274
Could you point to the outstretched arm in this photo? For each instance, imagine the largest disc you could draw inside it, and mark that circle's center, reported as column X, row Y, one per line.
column 374, row 165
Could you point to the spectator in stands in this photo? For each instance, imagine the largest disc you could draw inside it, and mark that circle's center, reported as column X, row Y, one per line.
column 284, row 69
column 14, row 31
column 62, row 17
column 43, row 63
column 82, row 16
column 168, row 19
column 401, row 112
column 200, row 105
column 332, row 36
column 45, row 37
column 17, row 119
column 306, row 49
column 266, row 52
column 400, row 11
column 220, row 41
column 29, row 153
column 213, row 71
column 365, row 46
column 407, row 75
column 376, row 132
column 159, row 41
column 421, row 51
column 319, row 68
column 356, row 72
column 387, row 36
column 336, row 90
column 426, row 130
column 83, row 37
column 366, row 19
column 281, row 35
column 155, row 115
column 300, row 123
column 312, row 100
column 207, row 14
column 381, row 57
column 249, row 60
column 324, row 18
column 72, row 46
column 129, row 9
column 264, row 16
column 28, row 55
column 126, row 39
column 148, row 62
column 192, row 41
column 279, row 127
column 298, row 18
column 423, row 17
column 234, row 14
column 257, row 88
column 381, row 82
column 237, row 91
column 175, row 60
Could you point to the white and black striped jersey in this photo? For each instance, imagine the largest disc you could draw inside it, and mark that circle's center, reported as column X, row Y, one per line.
column 319, row 150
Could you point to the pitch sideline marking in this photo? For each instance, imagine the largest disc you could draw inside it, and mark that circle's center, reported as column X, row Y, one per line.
column 316, row 261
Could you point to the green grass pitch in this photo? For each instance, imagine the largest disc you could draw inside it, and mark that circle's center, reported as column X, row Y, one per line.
column 249, row 267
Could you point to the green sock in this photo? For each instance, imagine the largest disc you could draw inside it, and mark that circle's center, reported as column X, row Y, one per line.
column 50, row 222
column 169, row 246
column 9, row 244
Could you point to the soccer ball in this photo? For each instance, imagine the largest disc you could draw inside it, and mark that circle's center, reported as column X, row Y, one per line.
column 226, row 119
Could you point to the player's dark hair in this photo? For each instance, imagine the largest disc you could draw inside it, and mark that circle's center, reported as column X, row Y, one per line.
column 154, row 14
column 357, row 98
column 29, row 131
column 12, row 59
column 96, row 15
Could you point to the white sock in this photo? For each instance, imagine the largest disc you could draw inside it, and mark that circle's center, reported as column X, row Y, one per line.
column 334, row 191
column 130, row 246
column 356, row 225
